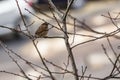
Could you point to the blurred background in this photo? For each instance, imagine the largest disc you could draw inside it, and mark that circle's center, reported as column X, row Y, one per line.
column 89, row 54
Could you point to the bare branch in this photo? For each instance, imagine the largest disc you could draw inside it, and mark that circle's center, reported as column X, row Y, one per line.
column 109, row 58
column 42, row 60
column 15, row 61
column 3, row 71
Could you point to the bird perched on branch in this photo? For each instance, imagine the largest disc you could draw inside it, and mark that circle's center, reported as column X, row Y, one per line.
column 42, row 30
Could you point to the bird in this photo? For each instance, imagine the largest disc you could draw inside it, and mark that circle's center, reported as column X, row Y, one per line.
column 42, row 31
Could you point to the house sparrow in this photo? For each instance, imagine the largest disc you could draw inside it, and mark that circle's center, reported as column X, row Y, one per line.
column 42, row 30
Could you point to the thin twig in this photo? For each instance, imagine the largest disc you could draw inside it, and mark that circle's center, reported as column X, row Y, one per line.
column 89, row 77
column 112, row 20
column 55, row 8
column 15, row 61
column 15, row 30
column 3, row 71
column 67, row 71
column 115, row 64
column 112, row 47
column 111, row 34
column 110, row 58
column 55, row 18
column 83, row 73
column 74, row 33
column 16, row 54
column 52, row 77
column 22, row 17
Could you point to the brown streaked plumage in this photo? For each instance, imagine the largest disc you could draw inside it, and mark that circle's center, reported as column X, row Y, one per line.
column 42, row 30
